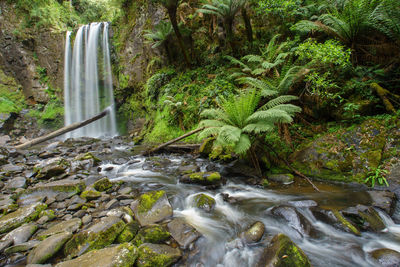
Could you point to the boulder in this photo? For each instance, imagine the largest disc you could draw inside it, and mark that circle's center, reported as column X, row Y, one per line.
column 129, row 232
column 97, row 236
column 21, row 234
column 282, row 252
column 254, row 233
column 386, row 257
column 204, row 202
column 383, row 200
column 17, row 182
column 51, row 167
column 294, row 219
column 365, row 217
column 69, row 226
column 102, row 185
column 46, row 249
column 155, row 234
column 90, row 194
column 157, row 255
column 116, row 256
column 60, row 190
column 336, row 219
column 21, row 216
column 23, row 247
column 182, row 232
column 152, row 207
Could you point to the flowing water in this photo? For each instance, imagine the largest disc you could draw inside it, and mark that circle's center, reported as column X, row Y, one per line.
column 88, row 81
column 220, row 244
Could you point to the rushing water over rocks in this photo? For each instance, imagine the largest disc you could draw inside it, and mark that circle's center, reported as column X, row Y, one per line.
column 88, row 81
column 232, row 224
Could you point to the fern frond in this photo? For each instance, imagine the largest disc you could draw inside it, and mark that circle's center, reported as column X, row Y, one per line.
column 211, row 123
column 207, row 132
column 243, row 144
column 229, row 134
column 259, row 127
column 280, row 100
column 270, row 116
column 288, row 108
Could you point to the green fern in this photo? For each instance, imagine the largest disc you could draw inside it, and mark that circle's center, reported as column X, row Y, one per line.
column 237, row 121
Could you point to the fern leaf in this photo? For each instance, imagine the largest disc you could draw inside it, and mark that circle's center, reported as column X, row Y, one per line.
column 243, row 144
column 280, row 100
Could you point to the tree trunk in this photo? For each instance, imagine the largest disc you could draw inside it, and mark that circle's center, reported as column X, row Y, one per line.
column 63, row 130
column 172, row 17
column 168, row 53
column 229, row 33
column 247, row 24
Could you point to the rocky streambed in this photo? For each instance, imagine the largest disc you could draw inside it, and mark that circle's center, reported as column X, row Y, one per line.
column 98, row 203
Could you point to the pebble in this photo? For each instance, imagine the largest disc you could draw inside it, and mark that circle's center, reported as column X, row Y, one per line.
column 67, row 217
column 112, row 204
column 86, row 219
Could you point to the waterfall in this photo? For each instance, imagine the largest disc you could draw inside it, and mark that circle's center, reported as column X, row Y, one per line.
column 88, row 81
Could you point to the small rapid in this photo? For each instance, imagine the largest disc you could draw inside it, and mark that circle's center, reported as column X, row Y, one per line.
column 239, row 205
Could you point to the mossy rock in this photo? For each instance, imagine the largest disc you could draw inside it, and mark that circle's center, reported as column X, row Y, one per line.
column 204, row 202
column 129, row 232
column 70, row 226
column 206, row 146
column 151, row 207
column 386, row 257
column 346, row 223
column 102, row 185
column 97, row 236
column 87, row 156
column 345, row 155
column 90, row 194
column 157, row 255
column 123, row 255
column 283, row 178
column 202, row 178
column 49, row 213
column 155, row 234
column 282, row 252
column 46, row 249
column 51, row 168
column 22, row 215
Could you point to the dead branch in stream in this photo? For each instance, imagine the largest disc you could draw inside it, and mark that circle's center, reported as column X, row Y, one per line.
column 63, row 130
column 172, row 141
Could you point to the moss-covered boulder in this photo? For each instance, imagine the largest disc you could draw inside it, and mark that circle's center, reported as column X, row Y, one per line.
column 70, row 226
column 202, row 178
column 344, row 155
column 88, row 156
column 97, row 236
column 102, row 185
column 22, row 215
column 61, row 190
column 129, row 232
column 46, row 249
column 204, row 202
column 367, row 218
column 346, row 224
column 282, row 252
column 51, row 168
column 123, row 255
column 90, row 194
column 151, row 207
column 157, row 255
column 155, row 234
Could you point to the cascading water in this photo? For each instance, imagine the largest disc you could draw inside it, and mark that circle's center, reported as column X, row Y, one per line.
column 88, row 81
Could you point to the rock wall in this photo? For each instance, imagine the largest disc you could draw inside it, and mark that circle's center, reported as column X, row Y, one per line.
column 21, row 53
column 132, row 50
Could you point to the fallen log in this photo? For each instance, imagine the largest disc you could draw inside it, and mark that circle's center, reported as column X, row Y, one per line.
column 63, row 130
column 382, row 93
column 172, row 141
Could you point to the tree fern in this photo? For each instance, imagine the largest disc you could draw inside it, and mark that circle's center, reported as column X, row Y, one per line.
column 237, row 122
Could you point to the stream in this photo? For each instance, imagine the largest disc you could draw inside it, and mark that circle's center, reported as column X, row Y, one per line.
column 221, row 245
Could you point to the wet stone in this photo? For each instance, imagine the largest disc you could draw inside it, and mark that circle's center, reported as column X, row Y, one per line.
column 19, row 217
column 157, row 255
column 151, row 207
column 115, row 256
column 204, row 202
column 86, row 219
column 70, row 226
column 22, row 247
column 182, row 232
column 17, row 182
column 47, row 248
column 294, row 219
column 303, row 203
column 386, row 257
column 254, row 233
column 384, row 200
column 21, row 234
column 111, row 204
column 282, row 178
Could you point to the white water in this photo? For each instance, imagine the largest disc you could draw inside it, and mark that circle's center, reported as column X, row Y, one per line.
column 88, row 81
column 221, row 245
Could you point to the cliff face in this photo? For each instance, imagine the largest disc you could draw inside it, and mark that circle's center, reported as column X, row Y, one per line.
column 28, row 55
column 132, row 50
